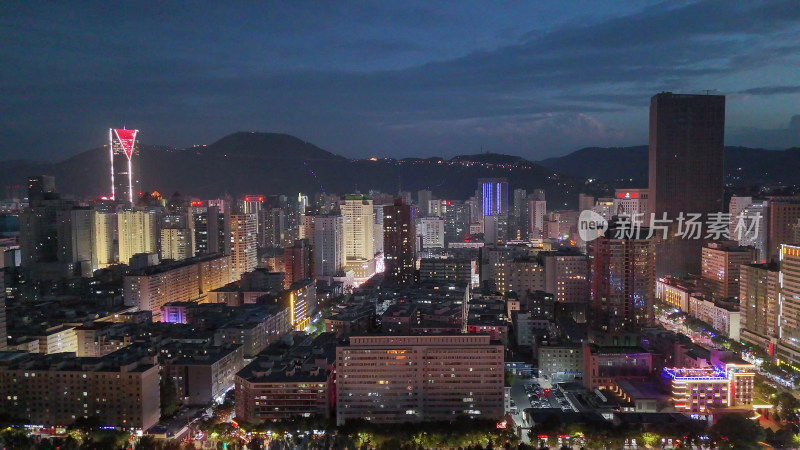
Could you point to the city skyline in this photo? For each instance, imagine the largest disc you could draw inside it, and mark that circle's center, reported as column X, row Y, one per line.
column 385, row 80
column 382, row 258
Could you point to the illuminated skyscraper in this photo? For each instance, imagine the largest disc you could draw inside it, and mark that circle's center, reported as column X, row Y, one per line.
column 494, row 196
column 122, row 150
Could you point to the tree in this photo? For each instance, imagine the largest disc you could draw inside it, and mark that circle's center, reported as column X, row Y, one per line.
column 735, row 431
column 169, row 397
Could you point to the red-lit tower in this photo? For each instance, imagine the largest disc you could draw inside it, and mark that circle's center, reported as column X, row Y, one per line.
column 122, row 150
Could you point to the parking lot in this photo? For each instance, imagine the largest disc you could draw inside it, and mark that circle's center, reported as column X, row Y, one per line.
column 535, row 393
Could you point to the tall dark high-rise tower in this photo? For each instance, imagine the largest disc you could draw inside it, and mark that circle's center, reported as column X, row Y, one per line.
column 687, row 151
column 124, row 155
column 623, row 282
column 400, row 241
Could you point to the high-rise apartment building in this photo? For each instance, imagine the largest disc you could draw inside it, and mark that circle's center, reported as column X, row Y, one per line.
column 759, row 288
column 76, row 239
column 38, row 188
column 104, row 230
column 399, row 241
column 297, row 261
column 254, row 204
column 124, row 155
column 209, row 230
column 751, row 229
column 396, row 379
column 456, row 221
column 519, row 222
column 789, row 305
column 721, row 263
column 424, row 198
column 325, row 233
column 241, row 243
column 784, row 213
column 567, row 275
column 358, row 227
column 136, row 233
column 537, row 209
column 623, row 282
column 177, row 243
column 119, row 390
column 687, row 150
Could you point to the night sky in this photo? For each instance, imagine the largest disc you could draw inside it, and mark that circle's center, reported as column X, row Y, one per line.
column 536, row 79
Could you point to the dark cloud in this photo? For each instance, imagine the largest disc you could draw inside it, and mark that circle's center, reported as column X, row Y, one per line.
column 375, row 78
column 772, row 90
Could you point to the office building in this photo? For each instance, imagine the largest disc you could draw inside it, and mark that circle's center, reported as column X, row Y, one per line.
column 493, row 196
column 676, row 292
column 399, row 241
column 686, row 170
column 603, row 365
column 241, row 243
column 136, row 233
column 124, row 155
column 632, row 203
column 446, row 270
column 561, row 363
column 430, row 233
column 396, row 379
